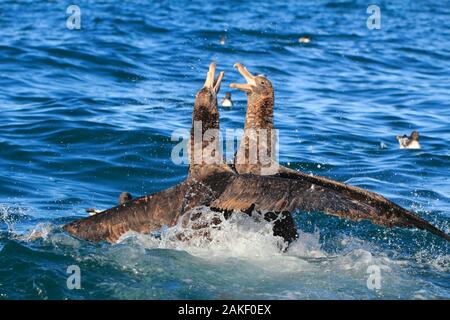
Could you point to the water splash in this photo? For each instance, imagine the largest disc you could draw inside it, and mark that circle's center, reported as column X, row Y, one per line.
column 10, row 215
column 238, row 236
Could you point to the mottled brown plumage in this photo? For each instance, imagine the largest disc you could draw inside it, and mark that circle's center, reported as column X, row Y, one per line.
column 289, row 193
column 288, row 190
column 255, row 153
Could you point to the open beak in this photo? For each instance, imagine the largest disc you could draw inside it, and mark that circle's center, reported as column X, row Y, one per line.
column 248, row 87
column 212, row 83
column 218, row 81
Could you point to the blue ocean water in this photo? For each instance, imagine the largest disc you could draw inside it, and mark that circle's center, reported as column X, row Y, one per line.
column 86, row 114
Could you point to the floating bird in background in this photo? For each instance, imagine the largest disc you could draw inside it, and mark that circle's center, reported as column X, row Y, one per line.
column 226, row 102
column 123, row 197
column 411, row 142
column 304, row 39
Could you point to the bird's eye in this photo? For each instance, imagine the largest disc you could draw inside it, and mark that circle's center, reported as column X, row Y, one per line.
column 262, row 82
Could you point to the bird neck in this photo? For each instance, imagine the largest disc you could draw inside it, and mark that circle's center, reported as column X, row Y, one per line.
column 205, row 149
column 259, row 112
column 257, row 149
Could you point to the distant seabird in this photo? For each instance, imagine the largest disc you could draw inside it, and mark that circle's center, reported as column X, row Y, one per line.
column 304, row 39
column 123, row 197
column 226, row 101
column 411, row 142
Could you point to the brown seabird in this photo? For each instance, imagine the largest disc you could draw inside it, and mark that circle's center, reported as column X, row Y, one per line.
column 289, row 190
column 206, row 180
column 411, row 142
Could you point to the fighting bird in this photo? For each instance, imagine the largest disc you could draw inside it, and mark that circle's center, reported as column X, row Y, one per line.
column 207, row 177
column 288, row 190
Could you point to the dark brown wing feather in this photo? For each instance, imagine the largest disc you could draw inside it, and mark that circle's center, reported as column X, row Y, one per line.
column 150, row 213
column 308, row 193
column 145, row 214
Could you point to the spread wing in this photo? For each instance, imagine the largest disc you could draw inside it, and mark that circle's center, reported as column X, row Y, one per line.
column 145, row 214
column 292, row 191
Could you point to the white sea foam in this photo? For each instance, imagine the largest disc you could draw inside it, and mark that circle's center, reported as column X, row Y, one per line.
column 238, row 236
column 242, row 255
column 41, row 230
column 10, row 215
column 251, row 239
